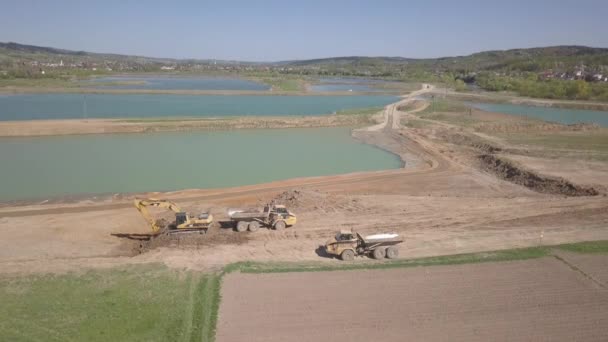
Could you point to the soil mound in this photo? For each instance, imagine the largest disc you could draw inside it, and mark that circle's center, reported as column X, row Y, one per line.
column 471, row 141
column 533, row 126
column 550, row 185
column 315, row 200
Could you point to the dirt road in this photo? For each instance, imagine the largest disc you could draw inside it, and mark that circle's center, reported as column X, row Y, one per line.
column 391, row 116
column 441, row 202
column 536, row 300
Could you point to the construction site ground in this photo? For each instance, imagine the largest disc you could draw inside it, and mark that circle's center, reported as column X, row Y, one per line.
column 87, row 268
column 468, row 185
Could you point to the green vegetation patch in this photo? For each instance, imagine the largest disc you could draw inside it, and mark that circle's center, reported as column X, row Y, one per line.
column 415, row 123
column 283, row 83
column 136, row 303
column 533, row 86
column 444, row 105
column 360, row 111
column 454, row 119
column 588, row 247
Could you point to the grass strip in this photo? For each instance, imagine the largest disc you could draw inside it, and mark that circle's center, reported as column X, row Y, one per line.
column 587, row 247
column 360, row 111
column 458, row 259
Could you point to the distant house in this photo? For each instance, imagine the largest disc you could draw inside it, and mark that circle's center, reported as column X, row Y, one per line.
column 164, row 67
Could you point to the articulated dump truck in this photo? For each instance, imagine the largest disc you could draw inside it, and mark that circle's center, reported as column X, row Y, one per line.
column 346, row 244
column 273, row 216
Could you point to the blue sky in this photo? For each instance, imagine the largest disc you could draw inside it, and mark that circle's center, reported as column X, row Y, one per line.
column 282, row 30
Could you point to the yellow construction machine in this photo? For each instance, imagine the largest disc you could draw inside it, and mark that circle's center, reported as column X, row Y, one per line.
column 184, row 222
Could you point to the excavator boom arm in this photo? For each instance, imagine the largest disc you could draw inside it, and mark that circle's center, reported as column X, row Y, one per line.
column 143, row 204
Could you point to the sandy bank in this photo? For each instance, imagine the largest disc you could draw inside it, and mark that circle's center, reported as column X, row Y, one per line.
column 105, row 126
column 77, row 90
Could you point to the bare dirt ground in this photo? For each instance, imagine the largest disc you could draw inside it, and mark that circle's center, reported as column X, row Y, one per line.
column 578, row 172
column 535, row 300
column 593, row 266
column 442, row 202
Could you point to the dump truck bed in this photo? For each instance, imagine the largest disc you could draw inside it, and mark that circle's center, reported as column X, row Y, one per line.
column 245, row 214
column 382, row 239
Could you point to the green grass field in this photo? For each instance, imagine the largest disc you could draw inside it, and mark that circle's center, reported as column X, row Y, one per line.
column 154, row 303
column 137, row 303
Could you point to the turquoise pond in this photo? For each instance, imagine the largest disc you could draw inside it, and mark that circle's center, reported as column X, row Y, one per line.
column 71, row 106
column 45, row 167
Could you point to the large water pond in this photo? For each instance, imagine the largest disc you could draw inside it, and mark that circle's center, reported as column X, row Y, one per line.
column 43, row 167
column 560, row 115
column 71, row 106
column 175, row 83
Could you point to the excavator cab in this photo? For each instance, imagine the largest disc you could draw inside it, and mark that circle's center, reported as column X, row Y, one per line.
column 180, row 218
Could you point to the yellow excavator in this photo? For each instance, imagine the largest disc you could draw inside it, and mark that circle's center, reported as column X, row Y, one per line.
column 184, row 222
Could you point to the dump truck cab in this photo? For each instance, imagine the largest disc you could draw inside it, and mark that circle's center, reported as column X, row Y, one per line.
column 344, row 244
column 280, row 213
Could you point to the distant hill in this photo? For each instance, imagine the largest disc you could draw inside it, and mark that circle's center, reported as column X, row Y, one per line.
column 348, row 60
column 532, row 59
column 563, row 58
column 28, row 52
column 14, row 51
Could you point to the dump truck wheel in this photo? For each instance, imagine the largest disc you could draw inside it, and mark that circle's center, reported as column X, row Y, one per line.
column 253, row 226
column 379, row 253
column 279, row 225
column 347, row 255
column 241, row 226
column 392, row 252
